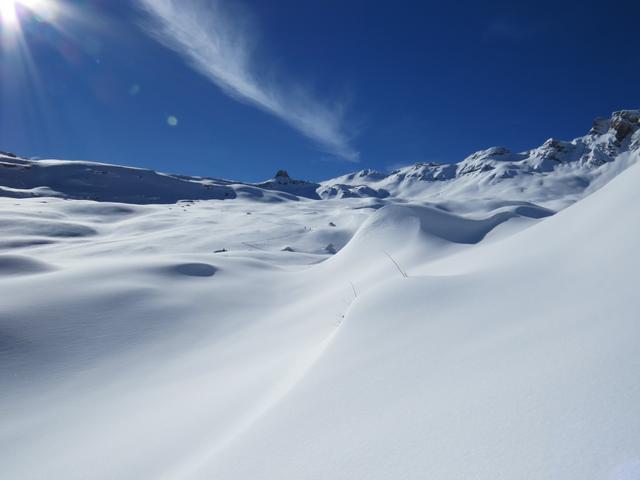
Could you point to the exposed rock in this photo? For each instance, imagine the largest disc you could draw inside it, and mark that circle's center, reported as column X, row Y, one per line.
column 624, row 122
column 284, row 183
column 330, row 249
column 351, row 191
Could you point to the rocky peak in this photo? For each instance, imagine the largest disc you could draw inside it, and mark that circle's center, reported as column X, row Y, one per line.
column 284, row 183
column 282, row 178
column 490, row 153
column 554, row 144
column 371, row 174
column 625, row 122
column 621, row 124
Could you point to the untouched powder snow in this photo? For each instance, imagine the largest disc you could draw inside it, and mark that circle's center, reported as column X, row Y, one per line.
column 488, row 364
column 269, row 334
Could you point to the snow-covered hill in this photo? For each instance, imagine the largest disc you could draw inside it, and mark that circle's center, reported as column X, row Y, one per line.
column 398, row 327
column 514, row 359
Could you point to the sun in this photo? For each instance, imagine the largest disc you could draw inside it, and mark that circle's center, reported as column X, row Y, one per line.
column 8, row 13
column 11, row 10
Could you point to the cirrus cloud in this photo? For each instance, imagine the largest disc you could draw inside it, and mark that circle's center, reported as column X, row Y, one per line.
column 219, row 45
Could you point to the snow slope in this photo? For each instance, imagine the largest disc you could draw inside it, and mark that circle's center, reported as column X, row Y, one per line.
column 487, row 364
column 22, row 178
column 474, row 336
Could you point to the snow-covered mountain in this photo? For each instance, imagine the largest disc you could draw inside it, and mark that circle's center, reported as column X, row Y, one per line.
column 555, row 174
column 440, row 321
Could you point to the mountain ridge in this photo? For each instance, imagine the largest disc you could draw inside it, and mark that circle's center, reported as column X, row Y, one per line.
column 606, row 141
column 544, row 174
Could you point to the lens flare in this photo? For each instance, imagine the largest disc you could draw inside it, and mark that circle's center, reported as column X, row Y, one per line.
column 8, row 13
column 11, row 10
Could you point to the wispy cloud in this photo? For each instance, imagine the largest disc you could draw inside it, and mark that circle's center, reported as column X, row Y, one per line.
column 219, row 45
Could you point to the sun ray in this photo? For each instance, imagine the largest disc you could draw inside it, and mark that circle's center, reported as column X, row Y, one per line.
column 8, row 14
column 12, row 11
column 21, row 88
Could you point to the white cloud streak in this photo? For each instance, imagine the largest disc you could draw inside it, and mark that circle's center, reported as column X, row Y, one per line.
column 218, row 45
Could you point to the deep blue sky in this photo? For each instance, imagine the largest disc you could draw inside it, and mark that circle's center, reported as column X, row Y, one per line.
column 422, row 81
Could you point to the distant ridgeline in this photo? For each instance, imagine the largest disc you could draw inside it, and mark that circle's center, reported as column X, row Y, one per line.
column 556, row 171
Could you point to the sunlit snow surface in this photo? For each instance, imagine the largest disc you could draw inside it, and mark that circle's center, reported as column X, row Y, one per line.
column 223, row 339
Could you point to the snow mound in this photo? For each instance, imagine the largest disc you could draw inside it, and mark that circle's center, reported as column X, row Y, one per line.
column 431, row 221
column 191, row 270
column 44, row 228
column 21, row 265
